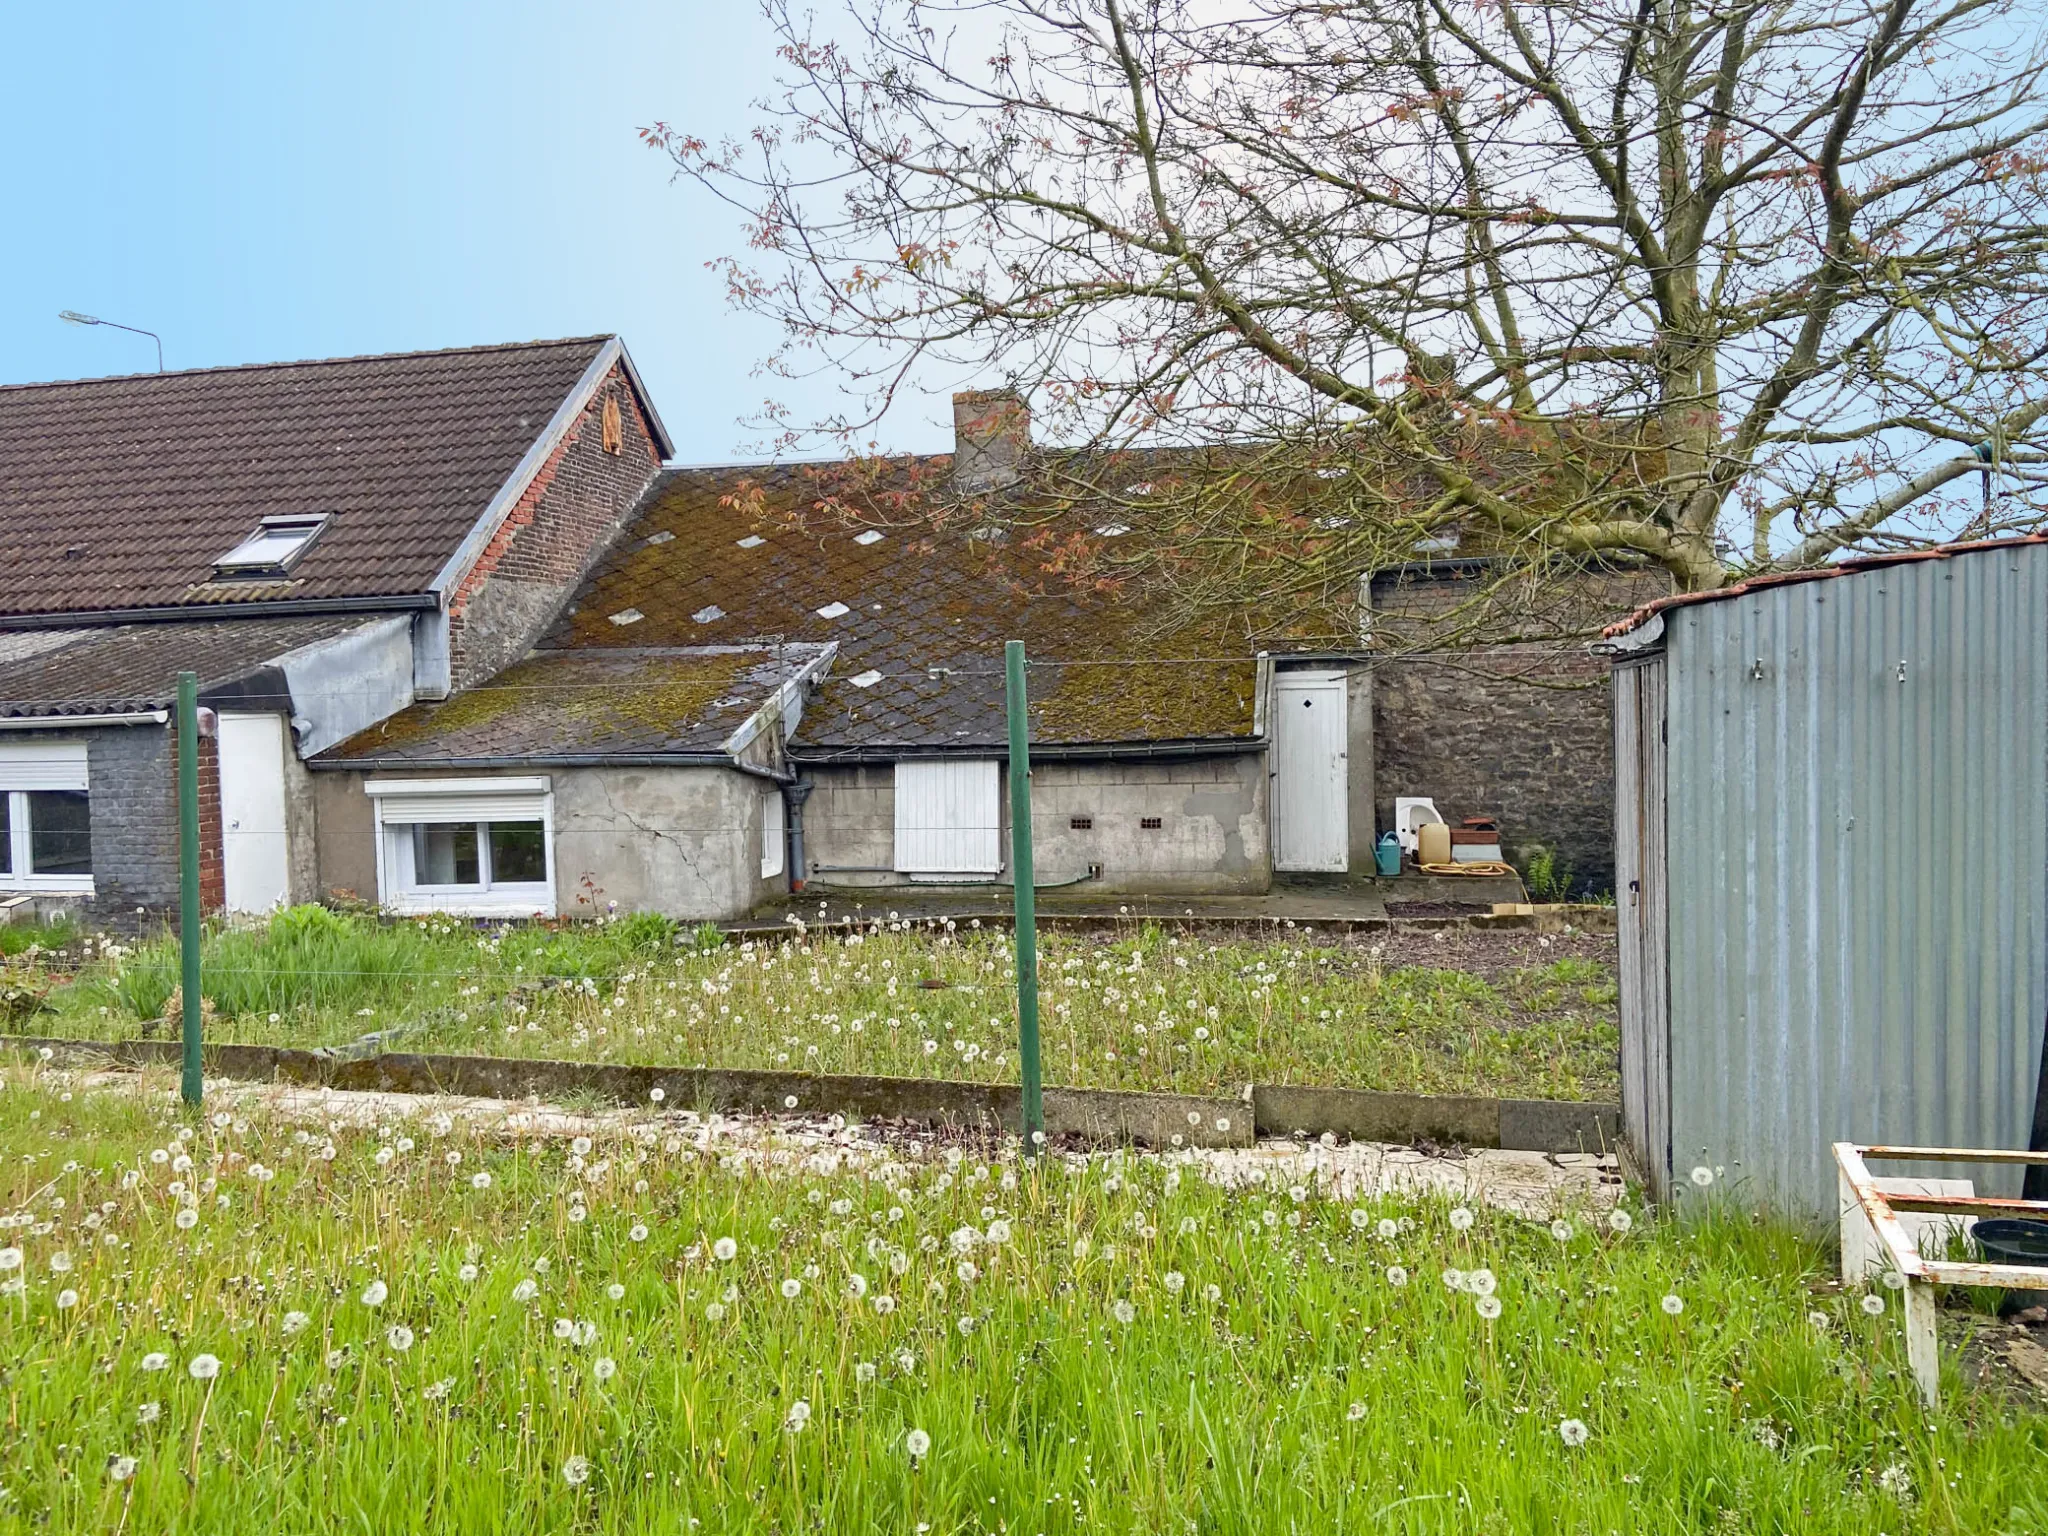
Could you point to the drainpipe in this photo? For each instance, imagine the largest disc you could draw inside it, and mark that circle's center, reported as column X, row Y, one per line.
column 793, row 796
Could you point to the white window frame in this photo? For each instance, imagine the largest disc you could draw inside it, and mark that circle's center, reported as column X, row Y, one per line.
column 406, row 804
column 25, row 767
column 774, row 834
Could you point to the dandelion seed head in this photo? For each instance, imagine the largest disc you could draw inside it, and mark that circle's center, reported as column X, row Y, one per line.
column 526, row 1290
column 1873, row 1304
column 120, row 1468
column 725, row 1250
column 604, row 1368
column 1461, row 1219
column 918, row 1443
column 576, row 1471
column 1355, row 1412
column 1702, row 1176
column 1573, row 1432
column 155, row 1360
column 1396, row 1276
column 1672, row 1305
column 148, row 1413
column 1619, row 1220
column 399, row 1337
column 375, row 1292
column 295, row 1322
column 204, row 1367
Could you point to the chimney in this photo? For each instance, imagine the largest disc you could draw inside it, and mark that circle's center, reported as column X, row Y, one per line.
column 991, row 436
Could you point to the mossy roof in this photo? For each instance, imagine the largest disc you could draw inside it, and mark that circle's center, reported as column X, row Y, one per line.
column 920, row 607
column 577, row 704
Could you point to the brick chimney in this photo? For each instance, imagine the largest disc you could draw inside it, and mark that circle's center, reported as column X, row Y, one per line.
column 991, row 436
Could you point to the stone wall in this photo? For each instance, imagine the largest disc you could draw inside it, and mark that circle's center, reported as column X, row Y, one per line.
column 1211, row 832
column 131, row 773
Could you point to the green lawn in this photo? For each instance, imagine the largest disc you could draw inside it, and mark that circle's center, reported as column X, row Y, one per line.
column 1148, row 1008
column 263, row 1326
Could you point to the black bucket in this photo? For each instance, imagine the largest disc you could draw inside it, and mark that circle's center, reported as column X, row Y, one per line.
column 2012, row 1240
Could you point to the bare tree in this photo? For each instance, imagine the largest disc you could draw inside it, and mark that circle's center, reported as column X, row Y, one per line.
column 1722, row 286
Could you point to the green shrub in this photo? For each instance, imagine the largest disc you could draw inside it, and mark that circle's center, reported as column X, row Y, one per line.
column 1545, row 878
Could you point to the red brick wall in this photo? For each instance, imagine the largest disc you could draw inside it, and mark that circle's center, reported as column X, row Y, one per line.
column 213, row 885
column 564, row 520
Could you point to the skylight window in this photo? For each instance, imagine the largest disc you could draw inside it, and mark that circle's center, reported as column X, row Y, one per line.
column 272, row 549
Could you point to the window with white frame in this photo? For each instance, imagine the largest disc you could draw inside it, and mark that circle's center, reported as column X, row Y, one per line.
column 774, row 834
column 478, row 847
column 45, row 817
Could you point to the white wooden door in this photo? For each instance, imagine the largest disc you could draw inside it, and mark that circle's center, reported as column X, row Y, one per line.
column 254, row 847
column 948, row 818
column 1311, row 829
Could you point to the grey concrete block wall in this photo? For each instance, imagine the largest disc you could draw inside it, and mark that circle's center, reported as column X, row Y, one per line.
column 132, row 780
column 1212, row 833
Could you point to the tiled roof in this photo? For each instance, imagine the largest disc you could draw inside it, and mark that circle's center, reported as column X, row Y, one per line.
column 125, row 667
column 920, row 610
column 121, row 493
column 1827, row 572
column 623, row 702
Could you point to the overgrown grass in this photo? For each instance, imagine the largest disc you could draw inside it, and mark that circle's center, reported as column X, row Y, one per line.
column 432, row 1332
column 1148, row 1009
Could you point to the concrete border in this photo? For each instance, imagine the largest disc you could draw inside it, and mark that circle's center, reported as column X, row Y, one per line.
column 1093, row 1114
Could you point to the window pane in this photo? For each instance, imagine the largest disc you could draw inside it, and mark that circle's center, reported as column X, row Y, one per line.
column 518, row 853
column 6, row 833
column 445, row 854
column 59, row 832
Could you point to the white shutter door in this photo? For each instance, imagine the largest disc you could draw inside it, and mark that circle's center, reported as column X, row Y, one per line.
column 774, row 834
column 1311, row 830
column 42, row 765
column 948, row 818
column 255, row 862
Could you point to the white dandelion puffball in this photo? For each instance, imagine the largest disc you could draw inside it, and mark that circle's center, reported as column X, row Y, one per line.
column 1873, row 1304
column 1561, row 1230
column 789, row 1102
column 525, row 1290
column 467, row 1273
column 454, row 1158
column 714, row 1312
column 1573, row 1432
column 581, row 1146
column 60, row 1263
column 1481, row 1282
column 918, row 1443
column 586, row 1333
column 399, row 1337
column 1818, row 1319
column 1672, row 1305
column 68, row 1298
column 884, row 1305
column 1396, row 1276
column 966, row 1326
column 295, row 1322
column 1173, row 1280
column 725, row 1250
column 1702, row 1176
column 1894, row 1281
column 374, row 1293
column 187, row 1218
column 383, row 1156
column 792, row 1288
column 565, row 1328
column 604, row 1367
column 578, row 1212
column 1461, row 1219
column 120, row 1468
column 864, row 1372
column 1360, row 1220
column 1619, row 1220
column 1212, row 1293
column 637, row 1232
column 1081, row 1247
column 204, row 1367
column 1355, row 1412
column 1488, row 1307
column 906, row 1362
column 1388, row 1229
column 148, row 1413
column 155, row 1360
column 616, row 1291
column 336, row 1358
column 480, row 1180
column 657, row 1093
column 576, row 1471
column 798, row 1416
column 1454, row 1279
column 1124, row 1312
column 856, row 1286
column 998, row 1233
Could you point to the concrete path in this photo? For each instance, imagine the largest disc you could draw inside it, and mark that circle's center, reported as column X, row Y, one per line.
column 1529, row 1184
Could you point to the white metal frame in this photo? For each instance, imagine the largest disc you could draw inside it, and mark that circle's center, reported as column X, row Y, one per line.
column 26, row 768
column 1861, row 1195
column 521, row 799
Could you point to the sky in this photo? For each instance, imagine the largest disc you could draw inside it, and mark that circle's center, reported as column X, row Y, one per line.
column 311, row 179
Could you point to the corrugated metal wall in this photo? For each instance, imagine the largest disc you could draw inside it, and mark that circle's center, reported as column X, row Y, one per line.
column 1639, row 871
column 1857, row 821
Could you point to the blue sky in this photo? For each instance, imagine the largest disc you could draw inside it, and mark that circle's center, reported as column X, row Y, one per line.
column 314, row 179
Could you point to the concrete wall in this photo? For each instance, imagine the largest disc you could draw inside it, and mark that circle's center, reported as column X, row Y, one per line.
column 1212, row 837
column 684, row 841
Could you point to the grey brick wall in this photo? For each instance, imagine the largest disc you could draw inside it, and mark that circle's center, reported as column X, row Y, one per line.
column 133, row 781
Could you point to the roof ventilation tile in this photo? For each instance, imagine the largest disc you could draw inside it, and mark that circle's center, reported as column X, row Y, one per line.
column 708, row 615
column 627, row 616
column 867, row 536
column 752, row 541
column 833, row 611
column 866, row 679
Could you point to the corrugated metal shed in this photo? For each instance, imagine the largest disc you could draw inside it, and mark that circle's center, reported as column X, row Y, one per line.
column 1855, row 824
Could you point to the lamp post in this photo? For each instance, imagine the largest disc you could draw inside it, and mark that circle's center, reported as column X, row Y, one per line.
column 73, row 317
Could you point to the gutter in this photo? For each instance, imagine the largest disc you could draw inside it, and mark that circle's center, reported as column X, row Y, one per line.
column 71, row 722
column 282, row 608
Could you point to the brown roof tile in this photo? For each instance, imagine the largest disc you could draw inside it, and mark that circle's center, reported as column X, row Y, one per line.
column 121, row 493
column 920, row 614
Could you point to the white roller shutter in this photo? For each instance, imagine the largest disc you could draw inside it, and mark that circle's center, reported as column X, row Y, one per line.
column 948, row 818
column 404, row 801
column 42, row 765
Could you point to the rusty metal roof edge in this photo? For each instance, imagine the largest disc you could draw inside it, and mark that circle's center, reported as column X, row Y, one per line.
column 1816, row 573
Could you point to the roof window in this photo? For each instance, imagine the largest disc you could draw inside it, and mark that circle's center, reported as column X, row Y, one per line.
column 273, row 548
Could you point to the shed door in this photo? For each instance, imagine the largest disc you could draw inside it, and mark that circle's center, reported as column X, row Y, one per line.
column 1311, row 830
column 948, row 818
column 254, row 847
column 1640, row 880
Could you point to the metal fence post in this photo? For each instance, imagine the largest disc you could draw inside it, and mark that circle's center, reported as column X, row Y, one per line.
column 1022, row 879
column 189, row 935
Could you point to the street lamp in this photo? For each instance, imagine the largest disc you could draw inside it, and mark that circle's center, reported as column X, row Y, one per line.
column 75, row 318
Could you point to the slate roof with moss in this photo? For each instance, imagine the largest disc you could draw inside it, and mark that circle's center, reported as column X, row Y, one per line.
column 919, row 607
column 560, row 706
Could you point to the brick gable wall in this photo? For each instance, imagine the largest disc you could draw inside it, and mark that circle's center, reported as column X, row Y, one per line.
column 568, row 515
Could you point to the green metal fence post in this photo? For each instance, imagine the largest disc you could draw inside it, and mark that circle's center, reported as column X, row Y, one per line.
column 188, row 874
column 1023, row 878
